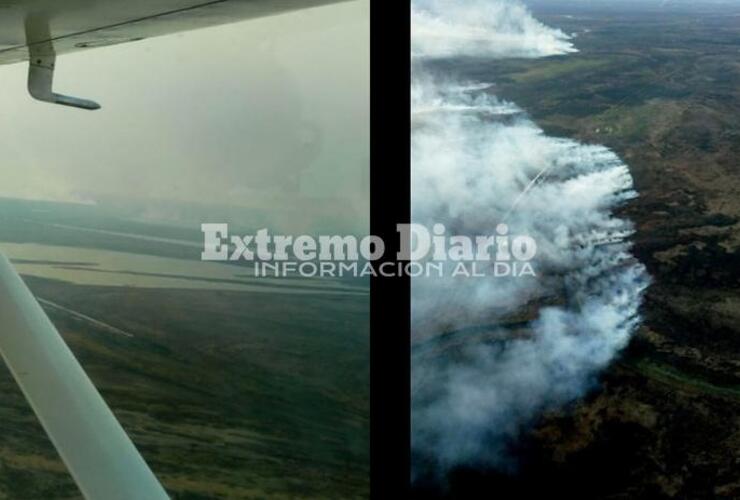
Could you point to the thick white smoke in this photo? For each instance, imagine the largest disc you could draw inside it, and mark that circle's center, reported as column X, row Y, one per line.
column 478, row 161
column 441, row 28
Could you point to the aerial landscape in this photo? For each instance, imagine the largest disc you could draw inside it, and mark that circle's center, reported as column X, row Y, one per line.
column 657, row 84
column 608, row 130
column 230, row 386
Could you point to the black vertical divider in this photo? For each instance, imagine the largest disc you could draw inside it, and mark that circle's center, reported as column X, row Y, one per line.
column 390, row 195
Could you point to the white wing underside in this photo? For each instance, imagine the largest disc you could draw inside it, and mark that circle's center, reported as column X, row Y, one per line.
column 100, row 456
column 38, row 30
column 82, row 24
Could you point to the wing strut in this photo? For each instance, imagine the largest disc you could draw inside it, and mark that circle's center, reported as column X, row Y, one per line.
column 103, row 461
column 42, row 58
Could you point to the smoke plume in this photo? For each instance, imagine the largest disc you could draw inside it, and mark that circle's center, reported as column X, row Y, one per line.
column 493, row 354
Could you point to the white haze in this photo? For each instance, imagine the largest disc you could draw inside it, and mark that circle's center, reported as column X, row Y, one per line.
column 259, row 122
column 481, row 29
column 478, row 161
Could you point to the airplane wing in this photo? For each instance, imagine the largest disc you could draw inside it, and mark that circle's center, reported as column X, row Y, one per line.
column 100, row 456
column 38, row 30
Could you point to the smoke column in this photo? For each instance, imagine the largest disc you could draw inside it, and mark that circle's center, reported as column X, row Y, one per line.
column 477, row 161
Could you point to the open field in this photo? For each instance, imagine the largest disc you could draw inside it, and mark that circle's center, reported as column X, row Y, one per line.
column 228, row 393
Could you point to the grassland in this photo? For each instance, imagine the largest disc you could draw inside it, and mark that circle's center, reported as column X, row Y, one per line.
column 227, row 394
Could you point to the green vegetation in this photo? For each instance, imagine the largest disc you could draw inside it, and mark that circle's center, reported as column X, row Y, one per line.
column 662, row 90
column 676, row 378
column 227, row 394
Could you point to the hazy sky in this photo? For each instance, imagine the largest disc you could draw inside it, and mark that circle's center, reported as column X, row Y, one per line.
column 269, row 114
